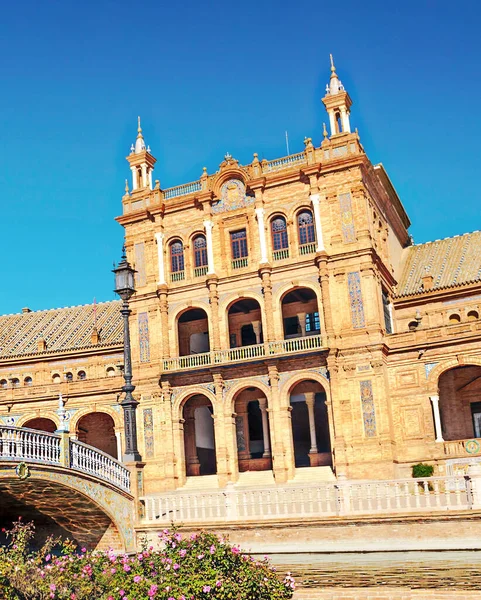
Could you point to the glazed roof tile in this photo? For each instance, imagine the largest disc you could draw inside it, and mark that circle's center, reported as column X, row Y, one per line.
column 452, row 262
column 61, row 328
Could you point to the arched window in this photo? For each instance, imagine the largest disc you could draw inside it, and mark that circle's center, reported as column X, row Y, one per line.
column 305, row 228
column 56, row 378
column 68, row 376
column 81, row 375
column 27, row 381
column 110, row 372
column 176, row 260
column 200, row 255
column 3, row 384
column 15, row 382
column 280, row 243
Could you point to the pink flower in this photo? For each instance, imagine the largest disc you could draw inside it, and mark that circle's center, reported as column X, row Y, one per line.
column 206, row 589
column 212, row 549
column 126, row 568
column 48, row 557
column 53, row 587
column 176, row 566
column 200, row 557
column 121, row 593
column 84, row 549
column 152, row 591
column 137, row 578
column 183, row 552
column 235, row 550
column 113, row 570
column 218, row 583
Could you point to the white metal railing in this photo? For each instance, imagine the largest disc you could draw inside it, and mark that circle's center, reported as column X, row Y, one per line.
column 323, row 500
column 280, row 254
column 240, row 263
column 90, row 460
column 182, row 190
column 307, row 248
column 29, row 445
column 200, row 271
column 177, row 276
column 285, row 161
column 192, row 361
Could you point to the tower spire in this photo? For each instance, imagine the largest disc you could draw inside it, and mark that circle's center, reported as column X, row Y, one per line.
column 139, row 142
column 141, row 162
column 337, row 103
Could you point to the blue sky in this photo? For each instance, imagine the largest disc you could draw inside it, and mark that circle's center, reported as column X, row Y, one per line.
column 208, row 78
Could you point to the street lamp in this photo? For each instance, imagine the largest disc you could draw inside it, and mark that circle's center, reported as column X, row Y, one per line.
column 124, row 287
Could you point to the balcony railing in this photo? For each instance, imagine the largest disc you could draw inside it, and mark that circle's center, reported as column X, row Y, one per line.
column 243, row 353
column 310, row 501
column 240, row 263
column 200, row 271
column 307, row 248
column 178, row 276
column 280, row 254
column 471, row 447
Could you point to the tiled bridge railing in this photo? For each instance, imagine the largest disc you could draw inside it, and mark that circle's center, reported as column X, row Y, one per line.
column 243, row 353
column 30, row 445
column 323, row 500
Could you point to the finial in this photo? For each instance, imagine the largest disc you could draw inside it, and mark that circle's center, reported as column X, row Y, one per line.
column 333, row 68
column 132, row 149
column 227, row 156
column 204, row 170
column 126, row 186
column 324, row 131
column 139, row 128
column 139, row 142
column 124, row 253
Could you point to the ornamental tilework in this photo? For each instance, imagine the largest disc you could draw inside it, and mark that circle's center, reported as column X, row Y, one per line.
column 144, row 344
column 428, row 367
column 355, row 300
column 368, row 412
column 148, row 432
column 347, row 219
column 140, row 276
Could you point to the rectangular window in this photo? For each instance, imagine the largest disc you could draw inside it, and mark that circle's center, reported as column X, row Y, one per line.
column 312, row 322
column 238, row 242
column 387, row 312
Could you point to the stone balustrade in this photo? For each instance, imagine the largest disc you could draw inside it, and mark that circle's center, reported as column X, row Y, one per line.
column 243, row 353
column 309, row 501
column 29, row 445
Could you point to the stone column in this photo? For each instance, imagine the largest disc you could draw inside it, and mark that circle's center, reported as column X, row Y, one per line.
column 118, row 439
column 265, row 274
column 302, row 322
column 279, row 428
column 214, row 311
column 346, row 128
column 159, row 238
column 332, row 122
column 310, row 401
column 262, row 234
column 144, row 175
column 208, row 225
column 437, row 418
column 191, row 458
column 134, row 178
column 224, row 474
column 256, row 326
column 317, row 222
column 150, row 179
column 242, row 432
column 265, row 427
column 162, row 293
column 321, row 260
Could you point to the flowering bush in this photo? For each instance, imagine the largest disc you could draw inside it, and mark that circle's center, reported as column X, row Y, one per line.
column 199, row 567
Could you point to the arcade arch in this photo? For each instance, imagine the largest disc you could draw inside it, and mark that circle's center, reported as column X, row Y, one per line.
column 245, row 323
column 300, row 313
column 97, row 429
column 193, row 332
column 42, row 424
column 199, row 438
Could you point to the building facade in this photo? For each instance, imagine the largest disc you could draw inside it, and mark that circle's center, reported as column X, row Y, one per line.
column 284, row 328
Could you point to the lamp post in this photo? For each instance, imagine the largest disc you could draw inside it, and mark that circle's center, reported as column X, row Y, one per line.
column 124, row 287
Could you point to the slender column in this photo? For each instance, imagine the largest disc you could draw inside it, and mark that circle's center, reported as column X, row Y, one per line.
column 256, row 326
column 437, row 418
column 317, row 222
column 159, row 237
column 214, row 311
column 302, row 322
column 265, row 427
column 164, row 319
column 242, row 431
column 144, row 175
column 326, row 298
column 118, row 438
column 265, row 273
column 135, row 183
column 150, row 179
column 310, row 400
column 262, row 234
column 191, row 458
column 208, row 225
column 332, row 122
column 346, row 127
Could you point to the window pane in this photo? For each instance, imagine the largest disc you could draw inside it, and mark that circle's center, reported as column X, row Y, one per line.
column 238, row 241
column 200, row 251
column 305, row 225
column 176, row 257
column 387, row 312
column 279, row 233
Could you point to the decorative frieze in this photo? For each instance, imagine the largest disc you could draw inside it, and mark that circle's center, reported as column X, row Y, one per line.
column 347, row 218
column 368, row 411
column 355, row 300
column 144, row 344
column 148, row 433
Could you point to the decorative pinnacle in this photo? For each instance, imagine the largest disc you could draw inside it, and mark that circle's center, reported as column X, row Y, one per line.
column 126, row 186
column 324, row 130
column 139, row 129
column 333, row 68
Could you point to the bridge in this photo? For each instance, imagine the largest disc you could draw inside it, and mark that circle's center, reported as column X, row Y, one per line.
column 66, row 487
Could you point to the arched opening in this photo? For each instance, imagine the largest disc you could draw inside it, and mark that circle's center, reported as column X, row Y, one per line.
column 306, row 232
column 42, row 424
column 81, row 375
column 310, row 425
column 473, row 315
column 300, row 313
column 193, row 332
column 177, row 264
column 28, row 381
column 460, row 403
column 454, row 318
column 252, row 430
column 98, row 430
column 200, row 255
column 199, row 439
column 245, row 327
column 110, row 372
column 280, row 242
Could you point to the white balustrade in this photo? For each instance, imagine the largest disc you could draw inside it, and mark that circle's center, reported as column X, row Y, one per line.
column 29, row 445
column 285, row 161
column 242, row 353
column 182, row 190
column 323, row 500
column 86, row 459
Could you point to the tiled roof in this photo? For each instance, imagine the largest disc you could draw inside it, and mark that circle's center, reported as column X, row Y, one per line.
column 452, row 262
column 61, row 328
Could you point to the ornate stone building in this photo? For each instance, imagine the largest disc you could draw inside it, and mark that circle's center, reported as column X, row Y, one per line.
column 284, row 328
